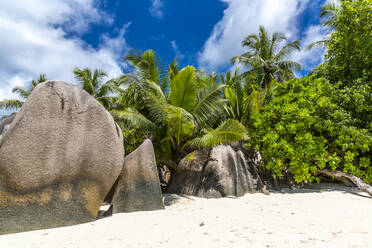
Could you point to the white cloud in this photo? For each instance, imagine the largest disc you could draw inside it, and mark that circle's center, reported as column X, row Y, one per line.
column 242, row 17
column 176, row 50
column 34, row 40
column 156, row 9
column 311, row 58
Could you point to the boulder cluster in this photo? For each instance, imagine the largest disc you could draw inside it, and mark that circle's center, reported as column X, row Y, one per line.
column 62, row 158
column 61, row 155
column 223, row 171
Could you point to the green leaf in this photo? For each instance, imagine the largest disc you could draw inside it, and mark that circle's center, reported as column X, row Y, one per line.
column 180, row 123
column 134, row 117
column 228, row 132
column 183, row 89
column 11, row 104
column 209, row 105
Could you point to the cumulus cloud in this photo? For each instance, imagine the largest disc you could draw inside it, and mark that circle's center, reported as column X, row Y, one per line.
column 36, row 38
column 156, row 9
column 242, row 17
column 176, row 50
column 311, row 58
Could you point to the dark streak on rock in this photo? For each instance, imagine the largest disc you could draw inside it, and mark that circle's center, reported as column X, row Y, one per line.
column 117, row 129
column 63, row 103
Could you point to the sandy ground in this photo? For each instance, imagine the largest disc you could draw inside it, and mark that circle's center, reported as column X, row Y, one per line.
column 333, row 216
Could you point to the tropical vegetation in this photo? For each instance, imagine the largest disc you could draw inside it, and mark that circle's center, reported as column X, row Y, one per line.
column 264, row 58
column 300, row 126
column 179, row 109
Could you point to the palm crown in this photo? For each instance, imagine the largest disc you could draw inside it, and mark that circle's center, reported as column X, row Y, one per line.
column 182, row 109
column 264, row 58
column 92, row 82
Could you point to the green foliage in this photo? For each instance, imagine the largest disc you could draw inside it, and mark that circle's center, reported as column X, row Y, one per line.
column 175, row 108
column 299, row 126
column 350, row 48
column 311, row 124
column 228, row 131
column 329, row 13
column 11, row 104
column 183, row 89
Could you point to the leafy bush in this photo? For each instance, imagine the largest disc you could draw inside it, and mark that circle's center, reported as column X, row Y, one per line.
column 310, row 124
column 350, row 48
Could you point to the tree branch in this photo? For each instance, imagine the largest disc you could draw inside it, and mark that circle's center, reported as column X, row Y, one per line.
column 339, row 175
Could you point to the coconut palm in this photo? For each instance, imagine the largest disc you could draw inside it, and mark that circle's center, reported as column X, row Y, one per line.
column 243, row 99
column 264, row 58
column 181, row 110
column 23, row 93
column 329, row 13
column 93, row 83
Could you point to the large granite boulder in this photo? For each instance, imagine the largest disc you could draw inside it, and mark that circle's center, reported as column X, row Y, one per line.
column 218, row 173
column 138, row 187
column 59, row 158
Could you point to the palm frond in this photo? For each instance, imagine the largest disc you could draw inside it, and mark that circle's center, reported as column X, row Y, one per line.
column 135, row 118
column 251, row 42
column 330, row 13
column 133, row 57
column 264, row 43
column 288, row 65
column 106, row 101
column 131, row 97
column 321, row 44
column 11, row 104
column 96, row 80
column 209, row 105
column 22, row 92
column 287, row 50
column 156, row 106
column 228, row 132
column 171, row 73
column 42, row 79
column 183, row 89
column 84, row 79
column 276, row 39
column 253, row 103
column 180, row 123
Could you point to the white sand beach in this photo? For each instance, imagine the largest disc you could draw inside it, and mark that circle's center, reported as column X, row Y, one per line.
column 334, row 217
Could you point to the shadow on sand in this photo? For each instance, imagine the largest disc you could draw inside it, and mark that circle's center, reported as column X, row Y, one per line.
column 170, row 199
column 323, row 187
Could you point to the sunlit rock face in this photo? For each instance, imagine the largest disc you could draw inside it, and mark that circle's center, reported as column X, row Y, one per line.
column 220, row 172
column 59, row 157
column 138, row 188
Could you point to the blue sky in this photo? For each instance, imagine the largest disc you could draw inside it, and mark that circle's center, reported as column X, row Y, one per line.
column 53, row 37
column 176, row 25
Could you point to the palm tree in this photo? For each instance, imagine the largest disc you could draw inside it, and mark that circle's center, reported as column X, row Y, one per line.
column 181, row 110
column 243, row 99
column 265, row 60
column 329, row 13
column 92, row 82
column 23, row 93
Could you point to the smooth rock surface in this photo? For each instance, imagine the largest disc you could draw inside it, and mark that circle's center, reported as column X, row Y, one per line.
column 220, row 173
column 138, row 188
column 58, row 159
